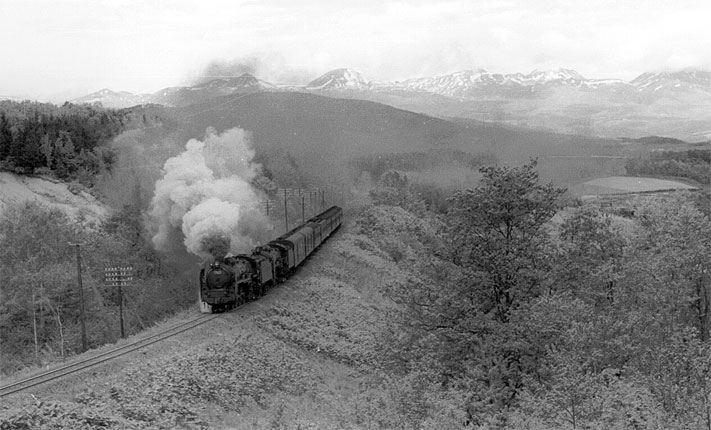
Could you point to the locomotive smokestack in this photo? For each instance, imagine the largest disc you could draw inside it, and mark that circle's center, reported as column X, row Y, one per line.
column 217, row 246
column 205, row 197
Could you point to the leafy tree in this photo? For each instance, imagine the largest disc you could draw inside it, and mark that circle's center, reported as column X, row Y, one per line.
column 693, row 164
column 678, row 244
column 69, row 140
column 64, row 153
column 497, row 235
column 39, row 302
column 459, row 310
column 680, row 377
column 37, row 292
column 589, row 255
column 5, row 136
column 394, row 190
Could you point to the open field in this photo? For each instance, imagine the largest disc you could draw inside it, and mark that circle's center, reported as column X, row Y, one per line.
column 626, row 184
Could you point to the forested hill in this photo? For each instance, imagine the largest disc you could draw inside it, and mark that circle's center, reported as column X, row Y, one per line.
column 68, row 141
column 514, row 309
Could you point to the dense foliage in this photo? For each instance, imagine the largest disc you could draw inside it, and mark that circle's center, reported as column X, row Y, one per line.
column 68, row 141
column 39, row 300
column 582, row 320
column 512, row 310
column 379, row 164
column 693, row 164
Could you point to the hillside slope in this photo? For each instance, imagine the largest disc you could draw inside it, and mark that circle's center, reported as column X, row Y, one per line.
column 305, row 138
column 76, row 203
column 307, row 355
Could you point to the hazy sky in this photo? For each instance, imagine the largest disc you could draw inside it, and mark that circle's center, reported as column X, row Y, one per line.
column 58, row 49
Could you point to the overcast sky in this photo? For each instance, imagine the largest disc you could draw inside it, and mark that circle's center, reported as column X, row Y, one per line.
column 58, row 49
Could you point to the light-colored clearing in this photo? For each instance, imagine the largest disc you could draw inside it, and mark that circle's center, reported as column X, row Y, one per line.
column 626, row 184
column 16, row 189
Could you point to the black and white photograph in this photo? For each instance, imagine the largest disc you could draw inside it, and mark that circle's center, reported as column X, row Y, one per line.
column 395, row 214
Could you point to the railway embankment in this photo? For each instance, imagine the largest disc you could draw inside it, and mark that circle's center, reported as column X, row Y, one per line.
column 307, row 355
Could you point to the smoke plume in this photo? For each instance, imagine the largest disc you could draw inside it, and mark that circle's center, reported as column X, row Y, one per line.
column 205, row 196
column 269, row 66
column 222, row 69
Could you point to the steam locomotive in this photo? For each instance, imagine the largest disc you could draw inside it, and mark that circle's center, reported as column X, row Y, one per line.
column 233, row 280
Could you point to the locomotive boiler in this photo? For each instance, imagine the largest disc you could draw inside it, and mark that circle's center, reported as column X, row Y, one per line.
column 235, row 279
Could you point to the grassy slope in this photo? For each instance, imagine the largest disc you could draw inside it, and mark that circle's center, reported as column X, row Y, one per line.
column 304, row 356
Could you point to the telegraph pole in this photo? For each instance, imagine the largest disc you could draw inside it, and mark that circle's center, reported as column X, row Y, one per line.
column 81, row 297
column 123, row 333
column 34, row 325
column 119, row 276
column 286, row 212
column 303, row 213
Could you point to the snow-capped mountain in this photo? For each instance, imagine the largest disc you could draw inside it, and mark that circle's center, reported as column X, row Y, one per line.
column 559, row 75
column 233, row 84
column 459, row 84
column 476, row 83
column 669, row 103
column 689, row 80
column 115, row 99
column 665, row 103
column 339, row 79
column 462, row 85
column 180, row 96
column 11, row 98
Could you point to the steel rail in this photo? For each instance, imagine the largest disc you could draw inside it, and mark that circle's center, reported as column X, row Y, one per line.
column 83, row 364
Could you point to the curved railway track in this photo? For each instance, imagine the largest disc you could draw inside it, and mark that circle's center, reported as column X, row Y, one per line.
column 80, row 365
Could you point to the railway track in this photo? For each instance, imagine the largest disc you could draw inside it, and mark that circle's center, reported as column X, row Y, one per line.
column 83, row 364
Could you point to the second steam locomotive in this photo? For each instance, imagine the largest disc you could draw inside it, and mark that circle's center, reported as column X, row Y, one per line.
column 233, row 280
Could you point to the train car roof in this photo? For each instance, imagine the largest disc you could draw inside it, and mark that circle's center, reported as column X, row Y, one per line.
column 320, row 217
column 327, row 213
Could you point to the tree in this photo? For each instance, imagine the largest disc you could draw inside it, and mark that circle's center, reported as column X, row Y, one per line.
column 64, row 152
column 495, row 261
column 678, row 244
column 37, row 297
column 36, row 137
column 589, row 255
column 5, row 136
column 497, row 234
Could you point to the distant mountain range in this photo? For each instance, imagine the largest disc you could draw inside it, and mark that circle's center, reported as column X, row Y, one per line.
column 476, row 84
column 467, row 84
column 675, row 104
column 179, row 96
column 11, row 98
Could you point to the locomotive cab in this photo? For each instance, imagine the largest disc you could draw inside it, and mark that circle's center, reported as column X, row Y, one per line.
column 278, row 256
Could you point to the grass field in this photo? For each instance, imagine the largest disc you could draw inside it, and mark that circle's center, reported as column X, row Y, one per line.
column 626, row 184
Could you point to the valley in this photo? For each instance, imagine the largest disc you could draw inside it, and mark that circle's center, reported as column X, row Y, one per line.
column 673, row 104
column 552, row 252
column 399, row 215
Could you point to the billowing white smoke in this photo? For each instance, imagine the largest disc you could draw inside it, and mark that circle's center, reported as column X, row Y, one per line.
column 206, row 197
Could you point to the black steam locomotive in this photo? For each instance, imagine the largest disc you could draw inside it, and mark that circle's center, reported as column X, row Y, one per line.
column 233, row 280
